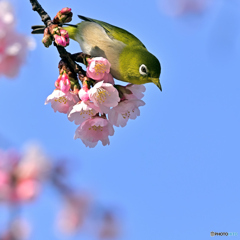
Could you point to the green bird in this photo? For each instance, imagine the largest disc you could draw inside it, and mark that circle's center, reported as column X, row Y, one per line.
column 130, row 60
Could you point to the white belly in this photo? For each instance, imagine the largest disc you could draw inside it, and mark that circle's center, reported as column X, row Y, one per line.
column 94, row 41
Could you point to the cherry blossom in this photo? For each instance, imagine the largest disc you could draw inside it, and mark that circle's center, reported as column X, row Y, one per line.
column 93, row 130
column 137, row 91
column 97, row 67
column 82, row 111
column 62, row 102
column 104, row 96
column 83, row 94
column 125, row 110
column 108, row 78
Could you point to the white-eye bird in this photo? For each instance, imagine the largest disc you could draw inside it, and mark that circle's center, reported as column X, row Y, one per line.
column 130, row 60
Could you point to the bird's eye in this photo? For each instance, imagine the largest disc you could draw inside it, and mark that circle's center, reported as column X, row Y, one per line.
column 143, row 70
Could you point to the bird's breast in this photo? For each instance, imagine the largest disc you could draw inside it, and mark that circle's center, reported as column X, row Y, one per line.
column 94, row 41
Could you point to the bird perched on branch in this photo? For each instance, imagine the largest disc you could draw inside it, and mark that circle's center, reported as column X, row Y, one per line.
column 130, row 60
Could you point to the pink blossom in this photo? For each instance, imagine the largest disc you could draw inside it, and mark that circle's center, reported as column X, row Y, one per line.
column 125, row 110
column 104, row 96
column 137, row 91
column 108, row 78
column 27, row 189
column 82, row 111
column 62, row 102
column 83, row 94
column 97, row 67
column 93, row 130
column 60, row 40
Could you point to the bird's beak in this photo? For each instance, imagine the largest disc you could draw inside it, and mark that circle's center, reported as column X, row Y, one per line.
column 156, row 81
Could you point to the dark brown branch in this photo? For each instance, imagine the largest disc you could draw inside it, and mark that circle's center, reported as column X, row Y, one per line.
column 38, row 8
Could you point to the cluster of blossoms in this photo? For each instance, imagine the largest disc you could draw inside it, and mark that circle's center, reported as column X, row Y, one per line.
column 21, row 179
column 13, row 46
column 56, row 33
column 99, row 104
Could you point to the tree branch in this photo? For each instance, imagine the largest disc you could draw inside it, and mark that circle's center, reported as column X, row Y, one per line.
column 61, row 50
column 38, row 8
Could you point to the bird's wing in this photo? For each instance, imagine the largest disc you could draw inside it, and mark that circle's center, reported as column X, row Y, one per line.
column 116, row 32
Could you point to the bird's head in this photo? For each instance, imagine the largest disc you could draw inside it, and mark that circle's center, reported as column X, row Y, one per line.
column 138, row 66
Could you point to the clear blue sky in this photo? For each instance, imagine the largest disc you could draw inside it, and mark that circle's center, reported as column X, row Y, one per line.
column 174, row 171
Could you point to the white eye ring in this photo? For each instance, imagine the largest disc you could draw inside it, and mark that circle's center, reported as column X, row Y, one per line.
column 143, row 70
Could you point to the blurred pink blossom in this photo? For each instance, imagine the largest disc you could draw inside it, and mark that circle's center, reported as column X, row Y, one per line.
column 183, row 7
column 109, row 227
column 7, row 19
column 13, row 46
column 27, row 189
column 34, row 163
column 93, row 130
column 73, row 215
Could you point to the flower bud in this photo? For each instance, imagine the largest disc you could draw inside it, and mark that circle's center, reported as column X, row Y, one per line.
column 65, row 18
column 64, row 85
column 60, row 41
column 47, row 40
column 64, row 33
column 66, row 10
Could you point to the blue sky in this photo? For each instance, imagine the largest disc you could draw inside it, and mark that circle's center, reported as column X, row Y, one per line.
column 174, row 171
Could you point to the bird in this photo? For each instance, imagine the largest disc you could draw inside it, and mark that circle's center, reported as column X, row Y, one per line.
column 130, row 60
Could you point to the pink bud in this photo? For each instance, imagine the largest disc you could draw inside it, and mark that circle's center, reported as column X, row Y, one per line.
column 64, row 33
column 66, row 10
column 57, row 82
column 60, row 41
column 64, row 83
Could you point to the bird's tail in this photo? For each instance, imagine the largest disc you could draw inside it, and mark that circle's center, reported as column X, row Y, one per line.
column 72, row 29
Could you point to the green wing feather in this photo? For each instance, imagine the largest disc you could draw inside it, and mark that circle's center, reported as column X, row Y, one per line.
column 116, row 32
